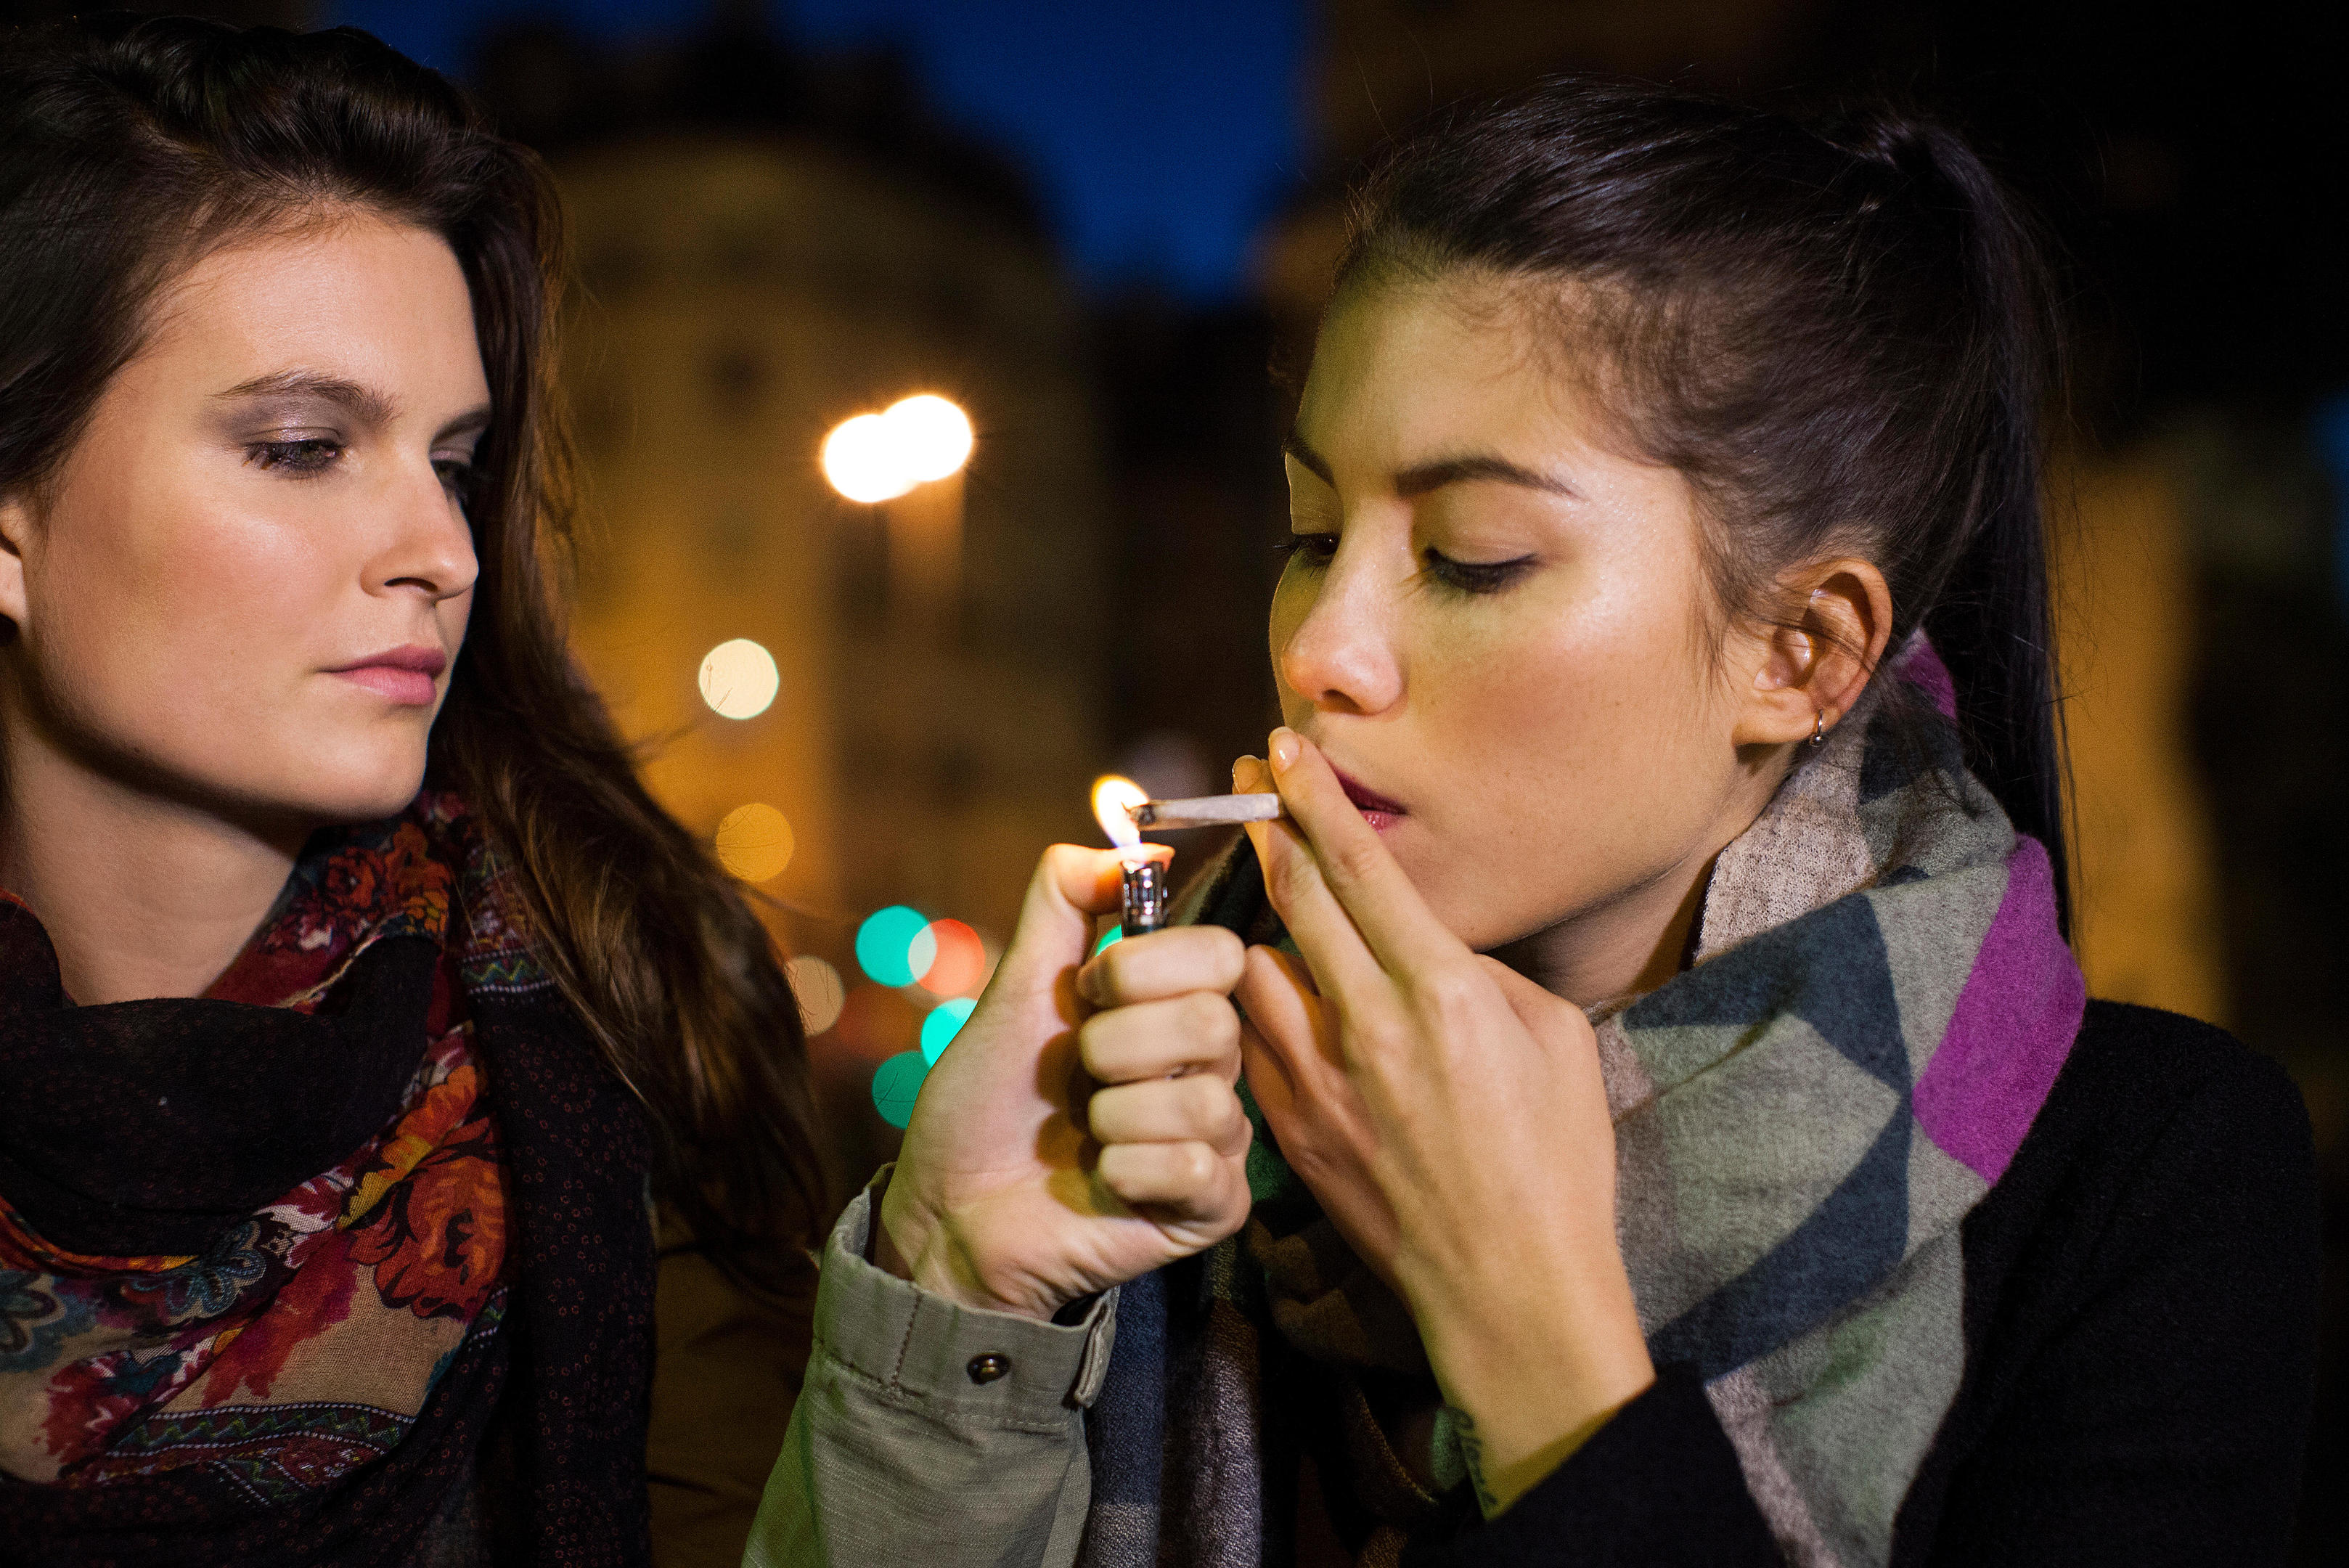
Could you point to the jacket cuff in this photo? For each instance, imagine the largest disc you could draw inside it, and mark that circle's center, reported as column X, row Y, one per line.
column 962, row 1363
column 1659, row 1485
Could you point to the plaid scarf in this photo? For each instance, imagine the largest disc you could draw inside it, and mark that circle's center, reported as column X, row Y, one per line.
column 1879, row 1004
column 258, row 1249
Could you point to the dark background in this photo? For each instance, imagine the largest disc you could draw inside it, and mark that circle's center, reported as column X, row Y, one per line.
column 1183, row 159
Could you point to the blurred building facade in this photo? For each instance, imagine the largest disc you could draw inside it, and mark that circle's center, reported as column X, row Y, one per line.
column 766, row 246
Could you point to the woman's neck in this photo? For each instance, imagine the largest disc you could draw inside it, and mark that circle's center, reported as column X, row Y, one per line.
column 141, row 896
column 1606, row 956
column 1610, row 955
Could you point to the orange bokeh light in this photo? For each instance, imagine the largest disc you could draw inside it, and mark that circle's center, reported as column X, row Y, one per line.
column 961, row 961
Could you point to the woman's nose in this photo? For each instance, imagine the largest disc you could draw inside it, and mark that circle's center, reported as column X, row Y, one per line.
column 1342, row 655
column 431, row 543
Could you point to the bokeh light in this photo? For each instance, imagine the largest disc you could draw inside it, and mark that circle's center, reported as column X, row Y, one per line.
column 932, row 436
column 885, row 943
column 945, row 1021
column 755, row 842
column 947, row 958
column 818, row 987
column 896, row 1084
column 739, row 679
column 866, row 460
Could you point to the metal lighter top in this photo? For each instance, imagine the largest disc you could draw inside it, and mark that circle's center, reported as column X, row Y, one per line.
column 1145, row 899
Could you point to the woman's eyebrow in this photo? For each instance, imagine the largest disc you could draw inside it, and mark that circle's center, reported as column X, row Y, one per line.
column 1312, row 461
column 1421, row 478
column 364, row 403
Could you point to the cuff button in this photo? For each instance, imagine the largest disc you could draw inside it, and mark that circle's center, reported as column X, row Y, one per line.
column 988, row 1368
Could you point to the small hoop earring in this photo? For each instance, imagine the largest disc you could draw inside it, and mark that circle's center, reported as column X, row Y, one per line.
column 1818, row 725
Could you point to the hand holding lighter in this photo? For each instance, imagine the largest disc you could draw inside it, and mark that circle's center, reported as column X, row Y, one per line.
column 1145, row 883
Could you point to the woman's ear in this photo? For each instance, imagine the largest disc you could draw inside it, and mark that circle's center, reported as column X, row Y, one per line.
column 1815, row 665
column 16, row 526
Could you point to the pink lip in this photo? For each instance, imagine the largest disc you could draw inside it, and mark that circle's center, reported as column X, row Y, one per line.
column 1377, row 810
column 404, row 675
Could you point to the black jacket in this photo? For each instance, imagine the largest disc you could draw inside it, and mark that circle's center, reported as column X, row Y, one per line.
column 2141, row 1325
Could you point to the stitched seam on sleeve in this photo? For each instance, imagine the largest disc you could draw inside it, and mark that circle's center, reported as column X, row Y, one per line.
column 905, row 1345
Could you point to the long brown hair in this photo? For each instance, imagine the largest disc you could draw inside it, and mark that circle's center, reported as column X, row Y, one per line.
column 128, row 147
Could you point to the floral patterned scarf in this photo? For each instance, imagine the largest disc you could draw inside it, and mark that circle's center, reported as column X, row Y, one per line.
column 254, row 1246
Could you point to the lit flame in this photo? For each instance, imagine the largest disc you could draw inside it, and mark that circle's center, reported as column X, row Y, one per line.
column 1114, row 799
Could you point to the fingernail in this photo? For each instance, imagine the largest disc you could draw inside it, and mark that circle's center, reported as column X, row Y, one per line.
column 1284, row 748
column 1242, row 762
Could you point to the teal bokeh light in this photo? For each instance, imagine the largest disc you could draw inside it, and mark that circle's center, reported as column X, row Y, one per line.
column 896, row 1083
column 884, row 940
column 945, row 1021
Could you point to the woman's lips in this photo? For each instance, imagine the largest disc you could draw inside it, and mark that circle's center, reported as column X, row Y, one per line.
column 404, row 675
column 1377, row 810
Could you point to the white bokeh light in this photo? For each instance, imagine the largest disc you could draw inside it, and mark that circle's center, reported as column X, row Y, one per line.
column 865, row 460
column 818, row 988
column 739, row 679
column 932, row 437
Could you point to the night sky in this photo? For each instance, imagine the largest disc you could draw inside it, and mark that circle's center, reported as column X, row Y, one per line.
column 1158, row 135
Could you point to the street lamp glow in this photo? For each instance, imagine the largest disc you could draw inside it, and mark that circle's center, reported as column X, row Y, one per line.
column 933, row 436
column 866, row 460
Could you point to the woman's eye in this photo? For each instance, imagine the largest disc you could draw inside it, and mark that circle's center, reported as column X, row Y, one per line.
column 1475, row 576
column 1316, row 548
column 301, row 457
column 459, row 477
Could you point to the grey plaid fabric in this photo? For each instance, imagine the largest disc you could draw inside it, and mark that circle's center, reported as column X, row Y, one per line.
column 1880, row 1003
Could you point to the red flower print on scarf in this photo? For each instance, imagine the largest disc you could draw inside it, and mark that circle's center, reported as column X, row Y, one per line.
column 439, row 1238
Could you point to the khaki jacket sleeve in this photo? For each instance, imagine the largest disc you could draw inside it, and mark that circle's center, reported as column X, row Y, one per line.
column 930, row 1433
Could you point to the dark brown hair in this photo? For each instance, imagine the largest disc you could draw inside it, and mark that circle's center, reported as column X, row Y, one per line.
column 1840, row 332
column 127, row 148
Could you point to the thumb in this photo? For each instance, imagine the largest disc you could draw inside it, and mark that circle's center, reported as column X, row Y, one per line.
column 1543, row 1013
column 1071, row 885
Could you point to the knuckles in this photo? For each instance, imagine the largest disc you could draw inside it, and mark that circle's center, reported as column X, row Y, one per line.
column 1200, row 1028
column 1165, row 963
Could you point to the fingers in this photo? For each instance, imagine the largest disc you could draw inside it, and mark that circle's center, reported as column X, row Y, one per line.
column 1324, row 932
column 1183, row 1182
column 1162, row 964
column 1197, row 1032
column 1278, row 996
column 1350, row 863
column 1268, row 1082
column 1198, row 1108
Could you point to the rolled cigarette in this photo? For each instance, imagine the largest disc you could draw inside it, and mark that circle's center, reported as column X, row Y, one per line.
column 1207, row 810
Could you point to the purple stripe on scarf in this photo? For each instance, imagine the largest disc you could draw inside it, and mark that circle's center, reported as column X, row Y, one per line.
column 2014, row 1024
column 1920, row 664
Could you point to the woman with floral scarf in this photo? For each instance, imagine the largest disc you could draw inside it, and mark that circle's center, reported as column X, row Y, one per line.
column 360, row 1015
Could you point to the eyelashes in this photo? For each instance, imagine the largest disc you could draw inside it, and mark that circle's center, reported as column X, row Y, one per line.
column 306, row 457
column 1476, row 577
column 313, row 455
column 1316, row 551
